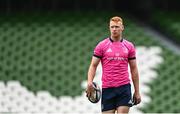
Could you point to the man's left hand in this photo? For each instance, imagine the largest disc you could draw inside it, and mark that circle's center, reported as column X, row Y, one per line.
column 136, row 98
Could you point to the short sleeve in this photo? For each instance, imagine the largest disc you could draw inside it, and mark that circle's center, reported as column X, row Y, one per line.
column 132, row 53
column 98, row 51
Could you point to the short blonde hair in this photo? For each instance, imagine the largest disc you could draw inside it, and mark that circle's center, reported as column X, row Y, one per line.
column 116, row 19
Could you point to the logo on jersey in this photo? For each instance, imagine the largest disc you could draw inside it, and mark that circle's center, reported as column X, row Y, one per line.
column 117, row 58
column 125, row 50
column 109, row 50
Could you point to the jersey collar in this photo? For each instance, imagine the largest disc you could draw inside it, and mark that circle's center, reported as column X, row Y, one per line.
column 113, row 41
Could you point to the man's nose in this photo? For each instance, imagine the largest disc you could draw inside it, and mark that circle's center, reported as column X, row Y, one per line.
column 114, row 28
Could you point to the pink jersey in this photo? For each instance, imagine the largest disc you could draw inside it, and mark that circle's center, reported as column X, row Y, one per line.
column 114, row 59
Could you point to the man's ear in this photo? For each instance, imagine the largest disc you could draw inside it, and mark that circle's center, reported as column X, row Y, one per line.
column 122, row 27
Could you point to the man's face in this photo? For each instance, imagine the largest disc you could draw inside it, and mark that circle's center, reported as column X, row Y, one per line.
column 116, row 28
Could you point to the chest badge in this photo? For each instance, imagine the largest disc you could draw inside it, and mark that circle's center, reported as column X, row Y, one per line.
column 125, row 50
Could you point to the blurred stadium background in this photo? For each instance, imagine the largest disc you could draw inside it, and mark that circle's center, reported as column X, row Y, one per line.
column 46, row 47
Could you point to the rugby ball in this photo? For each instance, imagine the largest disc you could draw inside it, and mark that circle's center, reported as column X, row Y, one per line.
column 96, row 94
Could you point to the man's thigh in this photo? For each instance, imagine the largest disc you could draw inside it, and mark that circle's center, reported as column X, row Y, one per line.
column 122, row 109
column 109, row 112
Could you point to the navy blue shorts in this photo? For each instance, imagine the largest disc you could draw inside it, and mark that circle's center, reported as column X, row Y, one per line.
column 115, row 97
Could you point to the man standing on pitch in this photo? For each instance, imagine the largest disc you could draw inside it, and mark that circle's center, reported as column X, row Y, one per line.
column 115, row 53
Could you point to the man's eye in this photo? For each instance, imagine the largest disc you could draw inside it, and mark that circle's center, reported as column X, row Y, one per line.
column 115, row 27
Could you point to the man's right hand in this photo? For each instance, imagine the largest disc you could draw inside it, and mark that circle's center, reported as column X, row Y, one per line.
column 89, row 89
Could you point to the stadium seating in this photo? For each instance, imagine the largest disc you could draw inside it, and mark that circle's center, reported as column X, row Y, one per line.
column 45, row 57
column 168, row 22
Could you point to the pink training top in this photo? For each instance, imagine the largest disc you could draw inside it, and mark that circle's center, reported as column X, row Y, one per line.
column 114, row 59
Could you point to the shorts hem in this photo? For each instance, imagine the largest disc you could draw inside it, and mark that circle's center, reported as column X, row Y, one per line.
column 116, row 107
column 123, row 105
column 108, row 109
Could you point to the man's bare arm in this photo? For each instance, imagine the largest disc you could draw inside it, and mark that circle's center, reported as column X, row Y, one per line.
column 91, row 73
column 135, row 79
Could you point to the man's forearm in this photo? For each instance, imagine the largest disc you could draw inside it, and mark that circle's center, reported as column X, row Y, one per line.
column 135, row 79
column 91, row 73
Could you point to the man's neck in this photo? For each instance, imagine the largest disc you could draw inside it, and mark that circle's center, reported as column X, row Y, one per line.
column 115, row 39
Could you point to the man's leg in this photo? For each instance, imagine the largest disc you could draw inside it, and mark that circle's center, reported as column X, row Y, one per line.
column 122, row 109
column 109, row 112
column 124, row 100
column 108, row 101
